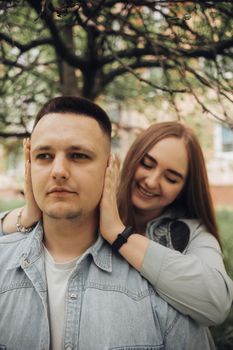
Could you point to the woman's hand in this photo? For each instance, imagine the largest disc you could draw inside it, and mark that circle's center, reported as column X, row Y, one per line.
column 110, row 222
column 31, row 212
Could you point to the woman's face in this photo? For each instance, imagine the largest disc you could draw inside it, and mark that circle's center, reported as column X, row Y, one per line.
column 160, row 177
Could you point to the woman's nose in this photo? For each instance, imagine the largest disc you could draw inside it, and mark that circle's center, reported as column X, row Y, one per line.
column 152, row 180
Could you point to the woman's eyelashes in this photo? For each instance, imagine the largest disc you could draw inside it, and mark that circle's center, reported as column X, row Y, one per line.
column 173, row 181
column 147, row 163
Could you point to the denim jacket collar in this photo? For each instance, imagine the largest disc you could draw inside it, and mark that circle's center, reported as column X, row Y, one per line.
column 102, row 254
column 30, row 249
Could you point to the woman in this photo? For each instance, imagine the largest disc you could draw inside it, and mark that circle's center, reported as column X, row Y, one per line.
column 164, row 195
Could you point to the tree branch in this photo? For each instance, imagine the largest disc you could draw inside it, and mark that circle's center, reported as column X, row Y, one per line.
column 57, row 41
column 25, row 47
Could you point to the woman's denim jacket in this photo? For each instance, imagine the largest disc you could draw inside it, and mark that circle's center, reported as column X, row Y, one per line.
column 108, row 304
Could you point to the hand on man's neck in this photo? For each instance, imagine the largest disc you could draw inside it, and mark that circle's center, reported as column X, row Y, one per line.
column 67, row 239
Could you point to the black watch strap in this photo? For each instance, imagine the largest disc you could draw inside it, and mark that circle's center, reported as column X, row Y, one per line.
column 122, row 238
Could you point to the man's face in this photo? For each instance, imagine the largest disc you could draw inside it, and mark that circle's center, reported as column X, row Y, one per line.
column 69, row 155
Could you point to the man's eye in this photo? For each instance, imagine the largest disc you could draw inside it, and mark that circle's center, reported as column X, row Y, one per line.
column 43, row 156
column 78, row 156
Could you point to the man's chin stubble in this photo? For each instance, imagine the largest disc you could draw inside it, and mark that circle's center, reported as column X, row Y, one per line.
column 66, row 216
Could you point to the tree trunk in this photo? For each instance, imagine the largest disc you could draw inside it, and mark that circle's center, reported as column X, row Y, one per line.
column 68, row 80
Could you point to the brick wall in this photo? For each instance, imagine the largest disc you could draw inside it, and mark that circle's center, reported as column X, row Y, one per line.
column 222, row 195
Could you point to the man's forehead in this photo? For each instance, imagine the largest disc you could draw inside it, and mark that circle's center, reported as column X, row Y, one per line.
column 65, row 119
column 68, row 130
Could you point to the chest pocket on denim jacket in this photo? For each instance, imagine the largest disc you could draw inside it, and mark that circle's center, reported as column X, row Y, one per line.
column 139, row 347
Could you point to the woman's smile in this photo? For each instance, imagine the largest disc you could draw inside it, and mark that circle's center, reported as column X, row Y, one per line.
column 145, row 193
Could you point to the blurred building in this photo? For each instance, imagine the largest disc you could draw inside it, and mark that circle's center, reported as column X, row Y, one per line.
column 216, row 140
column 220, row 165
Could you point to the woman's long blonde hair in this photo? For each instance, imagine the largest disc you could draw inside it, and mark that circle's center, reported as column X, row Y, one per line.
column 195, row 196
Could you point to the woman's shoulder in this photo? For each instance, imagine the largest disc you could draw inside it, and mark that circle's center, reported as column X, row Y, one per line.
column 176, row 217
column 199, row 235
column 194, row 225
column 180, row 231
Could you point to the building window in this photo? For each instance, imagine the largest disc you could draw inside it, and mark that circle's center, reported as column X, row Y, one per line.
column 227, row 139
column 223, row 142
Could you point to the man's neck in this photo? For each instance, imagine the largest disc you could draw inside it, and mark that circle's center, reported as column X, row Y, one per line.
column 67, row 239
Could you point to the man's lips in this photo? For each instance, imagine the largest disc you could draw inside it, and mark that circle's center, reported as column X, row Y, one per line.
column 61, row 191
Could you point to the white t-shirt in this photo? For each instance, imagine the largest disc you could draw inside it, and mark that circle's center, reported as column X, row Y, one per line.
column 57, row 279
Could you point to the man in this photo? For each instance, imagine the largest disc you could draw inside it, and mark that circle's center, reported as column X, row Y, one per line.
column 61, row 285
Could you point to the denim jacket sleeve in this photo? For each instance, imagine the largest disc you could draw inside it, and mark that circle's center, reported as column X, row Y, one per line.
column 187, row 335
column 195, row 282
column 181, row 332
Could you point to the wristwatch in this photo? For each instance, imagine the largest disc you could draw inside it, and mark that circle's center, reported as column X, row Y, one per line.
column 122, row 238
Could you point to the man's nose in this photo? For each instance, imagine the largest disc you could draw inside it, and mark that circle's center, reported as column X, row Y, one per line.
column 60, row 170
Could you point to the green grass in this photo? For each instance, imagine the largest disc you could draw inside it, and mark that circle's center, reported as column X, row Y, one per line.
column 225, row 222
column 10, row 204
column 223, row 334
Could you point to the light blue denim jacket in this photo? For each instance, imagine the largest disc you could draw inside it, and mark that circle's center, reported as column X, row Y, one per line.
column 109, row 305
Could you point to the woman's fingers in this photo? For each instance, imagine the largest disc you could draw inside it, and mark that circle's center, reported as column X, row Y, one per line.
column 114, row 170
column 31, row 212
column 27, row 182
column 26, row 147
column 110, row 222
